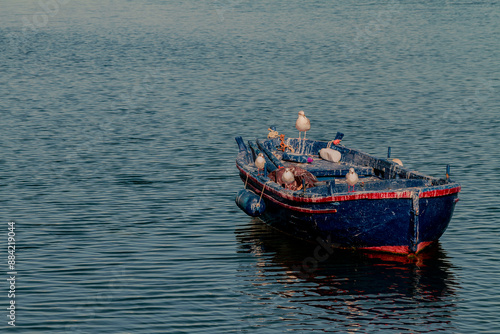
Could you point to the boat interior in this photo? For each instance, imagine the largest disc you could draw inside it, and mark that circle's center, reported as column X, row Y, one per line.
column 374, row 174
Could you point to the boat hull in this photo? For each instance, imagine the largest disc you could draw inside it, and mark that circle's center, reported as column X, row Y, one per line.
column 392, row 209
column 396, row 225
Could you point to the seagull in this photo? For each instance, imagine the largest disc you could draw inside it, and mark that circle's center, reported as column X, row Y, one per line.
column 397, row 161
column 288, row 176
column 351, row 178
column 260, row 163
column 303, row 124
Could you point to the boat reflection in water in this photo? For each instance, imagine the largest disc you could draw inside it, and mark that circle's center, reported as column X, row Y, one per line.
column 347, row 290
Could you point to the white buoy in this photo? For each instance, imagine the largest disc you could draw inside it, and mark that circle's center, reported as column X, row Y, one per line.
column 330, row 154
column 260, row 162
column 288, row 176
column 351, row 179
column 303, row 124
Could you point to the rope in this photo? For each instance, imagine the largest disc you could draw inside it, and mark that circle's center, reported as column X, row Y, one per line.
column 262, row 192
column 246, row 181
column 333, row 142
column 284, row 146
column 272, row 133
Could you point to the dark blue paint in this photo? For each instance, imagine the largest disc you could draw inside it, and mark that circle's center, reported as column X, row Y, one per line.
column 269, row 155
column 241, row 144
column 300, row 158
column 270, row 166
column 250, row 203
column 376, row 221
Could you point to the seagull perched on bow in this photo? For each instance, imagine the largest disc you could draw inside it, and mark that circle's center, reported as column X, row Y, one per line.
column 260, row 163
column 351, row 179
column 303, row 124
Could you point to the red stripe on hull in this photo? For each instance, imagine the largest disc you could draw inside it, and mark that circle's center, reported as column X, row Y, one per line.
column 398, row 249
column 440, row 192
column 290, row 207
column 363, row 195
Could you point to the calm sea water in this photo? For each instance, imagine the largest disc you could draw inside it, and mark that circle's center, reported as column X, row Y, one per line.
column 117, row 155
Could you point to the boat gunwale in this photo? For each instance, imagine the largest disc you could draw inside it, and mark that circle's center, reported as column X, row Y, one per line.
column 424, row 192
column 324, row 204
column 291, row 207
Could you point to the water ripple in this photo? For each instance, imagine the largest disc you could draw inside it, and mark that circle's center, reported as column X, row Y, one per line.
column 117, row 164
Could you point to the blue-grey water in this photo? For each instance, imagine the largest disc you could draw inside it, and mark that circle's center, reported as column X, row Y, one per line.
column 117, row 155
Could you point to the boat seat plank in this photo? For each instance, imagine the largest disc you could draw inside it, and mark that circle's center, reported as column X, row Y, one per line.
column 320, row 167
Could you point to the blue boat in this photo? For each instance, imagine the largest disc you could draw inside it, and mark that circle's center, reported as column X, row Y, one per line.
column 389, row 208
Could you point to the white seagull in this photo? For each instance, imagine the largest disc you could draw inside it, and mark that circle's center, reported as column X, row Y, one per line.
column 397, row 161
column 288, row 176
column 303, row 124
column 351, row 178
column 260, row 163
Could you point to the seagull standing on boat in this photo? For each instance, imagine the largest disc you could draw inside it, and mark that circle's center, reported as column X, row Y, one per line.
column 303, row 124
column 351, row 179
column 288, row 176
column 260, row 163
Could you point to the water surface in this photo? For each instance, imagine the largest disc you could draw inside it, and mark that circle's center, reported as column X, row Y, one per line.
column 117, row 161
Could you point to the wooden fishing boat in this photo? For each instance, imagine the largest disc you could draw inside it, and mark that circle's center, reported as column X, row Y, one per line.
column 390, row 208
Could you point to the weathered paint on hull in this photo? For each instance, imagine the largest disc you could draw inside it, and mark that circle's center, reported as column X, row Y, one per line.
column 397, row 210
column 387, row 225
